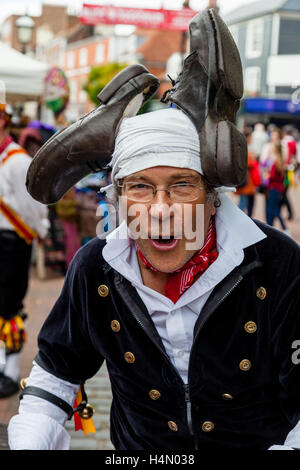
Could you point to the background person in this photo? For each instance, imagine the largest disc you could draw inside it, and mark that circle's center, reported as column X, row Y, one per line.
column 248, row 190
column 275, row 187
column 22, row 219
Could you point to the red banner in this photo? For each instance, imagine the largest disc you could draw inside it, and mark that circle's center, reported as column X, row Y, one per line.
column 176, row 20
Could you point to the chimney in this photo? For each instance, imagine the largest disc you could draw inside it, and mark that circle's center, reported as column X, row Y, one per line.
column 213, row 4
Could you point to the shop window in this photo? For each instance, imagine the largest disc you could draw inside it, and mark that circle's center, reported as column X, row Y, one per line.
column 252, row 80
column 83, row 57
column 100, row 53
column 254, row 38
column 71, row 60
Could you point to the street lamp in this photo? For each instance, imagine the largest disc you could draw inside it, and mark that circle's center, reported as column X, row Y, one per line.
column 25, row 26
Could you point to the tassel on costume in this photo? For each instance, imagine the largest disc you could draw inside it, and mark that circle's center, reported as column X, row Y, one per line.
column 83, row 417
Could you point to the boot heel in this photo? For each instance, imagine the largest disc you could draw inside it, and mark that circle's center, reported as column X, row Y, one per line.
column 223, row 149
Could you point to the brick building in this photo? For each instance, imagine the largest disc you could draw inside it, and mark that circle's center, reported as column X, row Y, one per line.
column 53, row 19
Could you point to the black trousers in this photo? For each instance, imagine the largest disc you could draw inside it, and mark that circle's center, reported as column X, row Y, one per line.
column 15, row 257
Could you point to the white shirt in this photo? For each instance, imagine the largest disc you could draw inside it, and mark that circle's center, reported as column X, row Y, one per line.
column 14, row 193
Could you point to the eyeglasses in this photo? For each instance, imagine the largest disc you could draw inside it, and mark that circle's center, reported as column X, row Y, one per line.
column 144, row 192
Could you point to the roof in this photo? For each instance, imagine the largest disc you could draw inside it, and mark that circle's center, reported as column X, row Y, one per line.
column 260, row 8
column 21, row 74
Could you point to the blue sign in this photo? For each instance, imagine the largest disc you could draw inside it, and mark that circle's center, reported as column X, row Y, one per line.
column 271, row 106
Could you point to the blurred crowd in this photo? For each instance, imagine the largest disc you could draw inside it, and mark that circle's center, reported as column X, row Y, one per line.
column 273, row 165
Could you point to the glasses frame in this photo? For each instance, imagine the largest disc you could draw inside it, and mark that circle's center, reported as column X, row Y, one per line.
column 158, row 188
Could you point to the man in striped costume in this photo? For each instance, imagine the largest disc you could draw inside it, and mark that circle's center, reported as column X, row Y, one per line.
column 22, row 219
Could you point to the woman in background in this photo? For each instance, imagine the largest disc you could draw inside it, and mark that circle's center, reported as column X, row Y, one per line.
column 247, row 191
column 275, row 187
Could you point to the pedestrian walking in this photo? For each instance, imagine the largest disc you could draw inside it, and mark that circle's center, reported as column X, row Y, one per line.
column 196, row 326
column 22, row 219
column 275, row 187
column 289, row 153
column 248, row 189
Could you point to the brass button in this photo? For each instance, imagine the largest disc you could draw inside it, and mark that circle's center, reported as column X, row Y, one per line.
column 208, row 426
column 103, row 290
column 115, row 326
column 245, row 364
column 261, row 293
column 129, row 357
column 173, row 426
column 250, row 327
column 227, row 396
column 154, row 394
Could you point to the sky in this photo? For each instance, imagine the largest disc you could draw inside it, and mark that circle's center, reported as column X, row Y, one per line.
column 33, row 7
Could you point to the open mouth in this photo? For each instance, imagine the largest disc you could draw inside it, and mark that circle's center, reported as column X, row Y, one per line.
column 164, row 240
column 164, row 243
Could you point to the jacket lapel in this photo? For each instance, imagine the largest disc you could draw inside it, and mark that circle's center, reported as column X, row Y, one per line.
column 224, row 288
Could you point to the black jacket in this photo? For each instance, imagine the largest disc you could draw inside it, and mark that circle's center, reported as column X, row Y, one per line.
column 244, row 388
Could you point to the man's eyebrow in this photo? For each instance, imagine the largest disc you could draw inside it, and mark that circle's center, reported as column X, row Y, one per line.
column 136, row 177
column 185, row 175
column 172, row 177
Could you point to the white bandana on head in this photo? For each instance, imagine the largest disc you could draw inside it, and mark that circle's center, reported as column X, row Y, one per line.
column 166, row 137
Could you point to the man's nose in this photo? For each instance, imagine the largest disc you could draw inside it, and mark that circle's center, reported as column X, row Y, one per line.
column 160, row 204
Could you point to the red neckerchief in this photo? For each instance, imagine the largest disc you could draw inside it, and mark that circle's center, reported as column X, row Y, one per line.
column 7, row 140
column 183, row 278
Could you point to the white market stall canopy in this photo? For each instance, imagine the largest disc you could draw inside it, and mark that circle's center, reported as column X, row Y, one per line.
column 23, row 76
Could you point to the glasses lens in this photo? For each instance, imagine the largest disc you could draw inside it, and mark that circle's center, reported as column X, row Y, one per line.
column 139, row 191
column 184, row 192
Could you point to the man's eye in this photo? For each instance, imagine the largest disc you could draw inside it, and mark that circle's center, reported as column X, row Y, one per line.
column 182, row 183
column 139, row 186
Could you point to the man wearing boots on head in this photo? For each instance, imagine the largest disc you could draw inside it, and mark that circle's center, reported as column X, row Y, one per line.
column 193, row 305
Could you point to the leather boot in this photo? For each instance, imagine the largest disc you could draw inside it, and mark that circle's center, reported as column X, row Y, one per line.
column 87, row 145
column 208, row 90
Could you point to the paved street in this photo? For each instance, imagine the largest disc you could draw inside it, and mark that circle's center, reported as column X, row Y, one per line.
column 40, row 298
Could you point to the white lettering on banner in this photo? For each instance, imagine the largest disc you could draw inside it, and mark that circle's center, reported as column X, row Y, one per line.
column 112, row 14
column 141, row 16
column 150, row 18
column 295, row 356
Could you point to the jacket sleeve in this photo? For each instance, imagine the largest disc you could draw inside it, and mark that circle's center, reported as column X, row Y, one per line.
column 40, row 424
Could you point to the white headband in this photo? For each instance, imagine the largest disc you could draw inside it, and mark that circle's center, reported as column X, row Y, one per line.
column 166, row 137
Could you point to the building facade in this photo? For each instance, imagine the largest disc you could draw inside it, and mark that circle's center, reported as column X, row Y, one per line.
column 268, row 37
